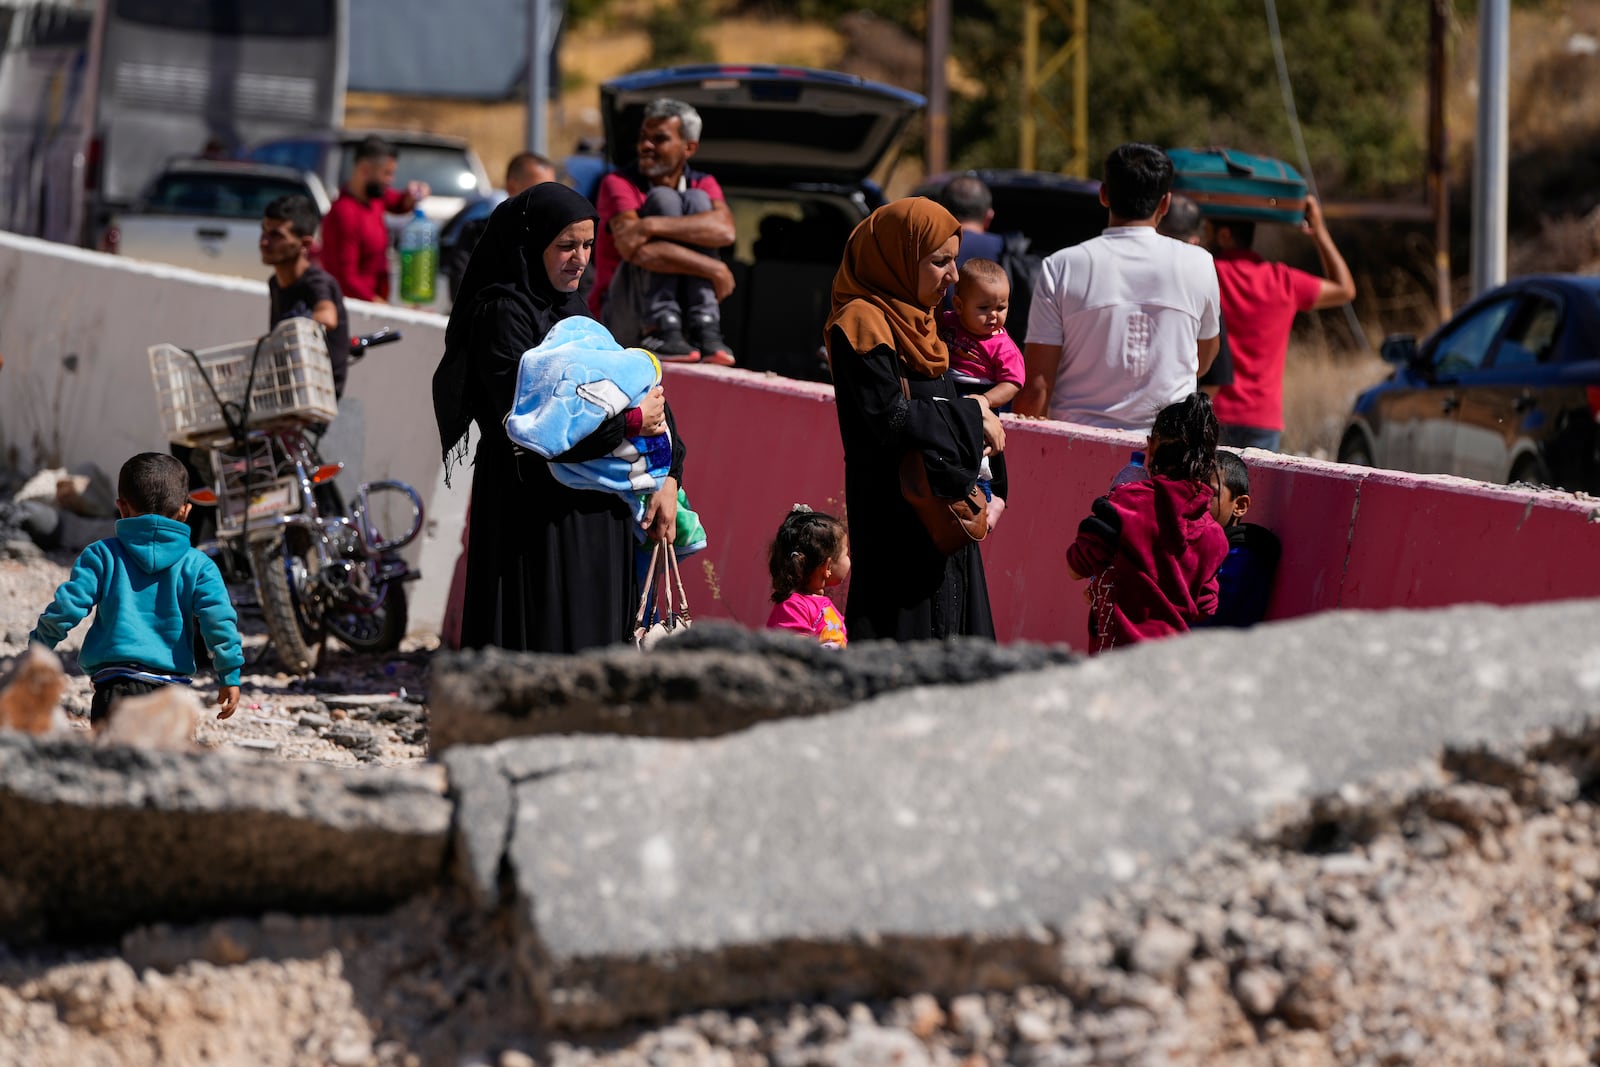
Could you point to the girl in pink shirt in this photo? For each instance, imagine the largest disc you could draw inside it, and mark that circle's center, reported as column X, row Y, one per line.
column 810, row 553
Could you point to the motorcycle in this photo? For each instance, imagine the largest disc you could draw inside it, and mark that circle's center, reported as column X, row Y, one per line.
column 253, row 413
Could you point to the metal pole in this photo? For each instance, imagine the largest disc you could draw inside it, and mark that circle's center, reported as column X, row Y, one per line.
column 1438, row 155
column 1027, row 138
column 938, row 149
column 1489, row 165
column 538, row 76
column 1080, row 89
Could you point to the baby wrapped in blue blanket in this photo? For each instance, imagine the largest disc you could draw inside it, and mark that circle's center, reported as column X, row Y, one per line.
column 569, row 384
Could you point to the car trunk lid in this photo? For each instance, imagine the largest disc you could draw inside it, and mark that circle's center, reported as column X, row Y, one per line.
column 806, row 125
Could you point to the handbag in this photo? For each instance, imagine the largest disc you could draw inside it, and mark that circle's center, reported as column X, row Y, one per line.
column 951, row 523
column 667, row 618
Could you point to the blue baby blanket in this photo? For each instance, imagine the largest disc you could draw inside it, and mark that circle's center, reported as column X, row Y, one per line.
column 569, row 384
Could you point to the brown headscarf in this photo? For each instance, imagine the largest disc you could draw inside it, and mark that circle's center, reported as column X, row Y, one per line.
column 875, row 291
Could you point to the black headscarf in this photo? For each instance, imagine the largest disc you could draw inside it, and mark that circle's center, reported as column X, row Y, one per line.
column 508, row 263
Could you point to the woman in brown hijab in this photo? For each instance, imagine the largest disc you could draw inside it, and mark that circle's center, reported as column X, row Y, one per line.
column 896, row 268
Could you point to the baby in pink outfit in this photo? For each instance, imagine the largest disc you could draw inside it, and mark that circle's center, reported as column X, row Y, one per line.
column 983, row 358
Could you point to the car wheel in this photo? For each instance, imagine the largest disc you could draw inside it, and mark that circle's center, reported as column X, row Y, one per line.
column 1529, row 471
column 1355, row 451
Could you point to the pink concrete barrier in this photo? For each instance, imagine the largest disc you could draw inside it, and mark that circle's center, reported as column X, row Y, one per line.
column 1353, row 538
column 1427, row 542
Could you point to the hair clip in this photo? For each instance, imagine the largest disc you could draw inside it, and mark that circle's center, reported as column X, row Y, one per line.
column 801, row 509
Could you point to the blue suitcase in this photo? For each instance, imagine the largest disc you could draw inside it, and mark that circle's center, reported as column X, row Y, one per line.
column 1237, row 185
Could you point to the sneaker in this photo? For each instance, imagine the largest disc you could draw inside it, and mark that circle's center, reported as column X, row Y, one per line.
column 666, row 340
column 707, row 333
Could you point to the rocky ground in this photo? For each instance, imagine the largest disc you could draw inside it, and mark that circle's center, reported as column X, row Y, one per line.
column 357, row 709
column 1447, row 917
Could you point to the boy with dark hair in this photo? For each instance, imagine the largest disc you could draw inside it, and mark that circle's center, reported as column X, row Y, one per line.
column 1138, row 178
column 299, row 288
column 1245, row 580
column 149, row 591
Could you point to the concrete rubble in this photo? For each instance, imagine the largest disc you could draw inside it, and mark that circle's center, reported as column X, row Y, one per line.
column 715, row 679
column 942, row 839
column 1356, row 838
column 101, row 838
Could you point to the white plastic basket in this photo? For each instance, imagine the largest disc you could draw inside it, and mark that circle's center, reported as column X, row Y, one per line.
column 293, row 381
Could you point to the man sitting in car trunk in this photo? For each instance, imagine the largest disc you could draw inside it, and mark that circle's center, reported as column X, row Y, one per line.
column 658, row 282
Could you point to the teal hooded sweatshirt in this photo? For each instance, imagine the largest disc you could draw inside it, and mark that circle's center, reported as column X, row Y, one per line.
column 148, row 590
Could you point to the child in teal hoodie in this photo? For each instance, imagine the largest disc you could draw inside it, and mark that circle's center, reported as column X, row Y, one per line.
column 149, row 590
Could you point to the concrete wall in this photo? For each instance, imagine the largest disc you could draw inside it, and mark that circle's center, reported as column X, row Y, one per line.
column 1352, row 538
column 75, row 327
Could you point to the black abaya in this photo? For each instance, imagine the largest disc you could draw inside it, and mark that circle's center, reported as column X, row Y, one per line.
column 901, row 586
column 549, row 568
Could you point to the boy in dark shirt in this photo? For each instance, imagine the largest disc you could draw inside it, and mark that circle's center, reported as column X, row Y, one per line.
column 1244, row 584
column 298, row 288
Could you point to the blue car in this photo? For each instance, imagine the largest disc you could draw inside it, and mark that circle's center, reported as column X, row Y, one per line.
column 1506, row 391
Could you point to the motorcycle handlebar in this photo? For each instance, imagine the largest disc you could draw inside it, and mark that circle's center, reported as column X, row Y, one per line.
column 359, row 344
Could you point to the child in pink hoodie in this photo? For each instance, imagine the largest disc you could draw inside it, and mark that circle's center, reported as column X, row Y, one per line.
column 1152, row 547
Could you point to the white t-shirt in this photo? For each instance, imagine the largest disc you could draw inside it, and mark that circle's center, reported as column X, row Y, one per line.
column 1126, row 308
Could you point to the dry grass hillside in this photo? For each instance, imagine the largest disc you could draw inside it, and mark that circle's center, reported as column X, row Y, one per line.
column 596, row 51
column 615, row 43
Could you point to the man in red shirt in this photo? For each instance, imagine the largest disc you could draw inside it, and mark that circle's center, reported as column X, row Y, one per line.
column 658, row 282
column 1259, row 302
column 355, row 238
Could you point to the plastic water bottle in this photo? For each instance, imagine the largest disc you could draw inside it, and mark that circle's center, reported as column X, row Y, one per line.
column 1133, row 472
column 419, row 260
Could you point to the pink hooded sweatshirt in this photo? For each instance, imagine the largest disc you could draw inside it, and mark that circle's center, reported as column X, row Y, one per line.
column 1154, row 551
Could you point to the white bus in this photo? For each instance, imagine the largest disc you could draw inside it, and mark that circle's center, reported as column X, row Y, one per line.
column 96, row 95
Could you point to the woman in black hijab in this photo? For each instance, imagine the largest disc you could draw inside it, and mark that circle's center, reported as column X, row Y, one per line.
column 549, row 569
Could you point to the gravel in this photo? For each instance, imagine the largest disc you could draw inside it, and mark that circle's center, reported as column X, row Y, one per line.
column 357, row 709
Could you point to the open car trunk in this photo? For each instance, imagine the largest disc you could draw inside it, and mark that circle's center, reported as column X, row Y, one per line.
column 791, row 123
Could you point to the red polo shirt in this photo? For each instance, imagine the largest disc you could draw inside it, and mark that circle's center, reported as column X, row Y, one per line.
column 1259, row 302
column 355, row 243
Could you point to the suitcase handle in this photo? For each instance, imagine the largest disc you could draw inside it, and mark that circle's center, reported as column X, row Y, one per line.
column 1237, row 169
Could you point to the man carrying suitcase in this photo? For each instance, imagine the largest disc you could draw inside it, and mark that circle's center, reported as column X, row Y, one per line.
column 1259, row 302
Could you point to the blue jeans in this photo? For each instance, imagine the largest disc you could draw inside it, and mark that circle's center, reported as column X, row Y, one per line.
column 1250, row 437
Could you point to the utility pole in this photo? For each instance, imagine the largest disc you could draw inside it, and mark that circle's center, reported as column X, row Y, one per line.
column 1073, row 14
column 541, row 35
column 938, row 114
column 1489, row 163
column 1438, row 155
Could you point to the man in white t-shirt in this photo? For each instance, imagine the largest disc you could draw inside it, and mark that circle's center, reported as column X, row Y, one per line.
column 1122, row 324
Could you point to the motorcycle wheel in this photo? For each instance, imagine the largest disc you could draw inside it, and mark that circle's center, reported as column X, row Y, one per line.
column 379, row 630
column 298, row 648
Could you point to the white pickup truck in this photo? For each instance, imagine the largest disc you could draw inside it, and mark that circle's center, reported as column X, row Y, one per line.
column 206, row 215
